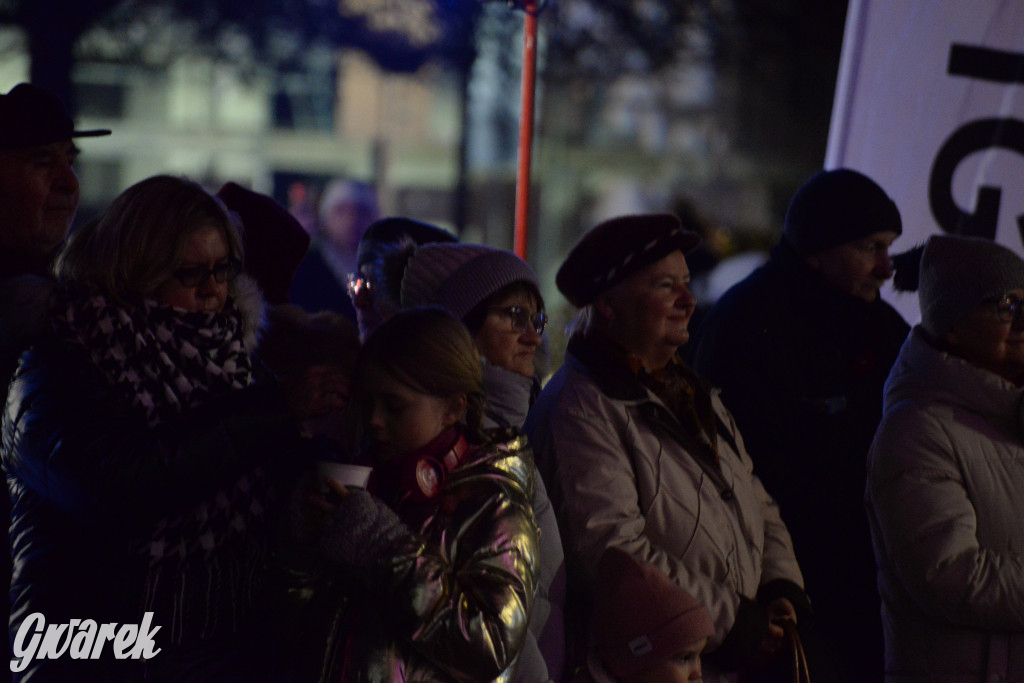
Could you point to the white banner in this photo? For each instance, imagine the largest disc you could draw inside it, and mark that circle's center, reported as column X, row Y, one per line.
column 930, row 104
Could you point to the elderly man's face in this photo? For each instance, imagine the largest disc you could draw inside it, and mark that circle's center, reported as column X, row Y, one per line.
column 859, row 267
column 649, row 312
column 38, row 198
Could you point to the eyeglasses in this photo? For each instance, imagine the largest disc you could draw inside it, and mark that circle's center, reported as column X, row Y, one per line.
column 357, row 283
column 1009, row 308
column 193, row 276
column 521, row 320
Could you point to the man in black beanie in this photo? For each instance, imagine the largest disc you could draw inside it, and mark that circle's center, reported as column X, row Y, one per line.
column 801, row 349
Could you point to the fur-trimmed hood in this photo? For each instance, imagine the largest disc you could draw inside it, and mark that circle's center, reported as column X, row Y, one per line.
column 253, row 308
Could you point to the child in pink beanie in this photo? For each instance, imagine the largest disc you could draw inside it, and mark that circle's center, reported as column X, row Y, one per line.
column 645, row 628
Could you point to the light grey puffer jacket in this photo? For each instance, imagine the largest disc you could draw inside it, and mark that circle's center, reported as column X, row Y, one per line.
column 945, row 500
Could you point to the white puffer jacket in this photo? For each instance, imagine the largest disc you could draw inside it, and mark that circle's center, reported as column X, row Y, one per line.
column 945, row 500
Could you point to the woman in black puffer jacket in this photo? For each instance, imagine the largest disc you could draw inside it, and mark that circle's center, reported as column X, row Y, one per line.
column 143, row 444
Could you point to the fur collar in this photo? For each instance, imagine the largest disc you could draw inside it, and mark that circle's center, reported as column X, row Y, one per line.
column 253, row 309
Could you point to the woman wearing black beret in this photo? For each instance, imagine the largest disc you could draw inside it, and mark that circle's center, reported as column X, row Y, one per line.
column 638, row 453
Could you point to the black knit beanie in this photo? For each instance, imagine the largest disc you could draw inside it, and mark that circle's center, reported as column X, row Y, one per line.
column 397, row 229
column 836, row 207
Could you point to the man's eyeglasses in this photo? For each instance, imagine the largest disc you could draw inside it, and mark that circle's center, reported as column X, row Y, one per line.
column 193, row 276
column 356, row 283
column 521, row 320
column 1009, row 308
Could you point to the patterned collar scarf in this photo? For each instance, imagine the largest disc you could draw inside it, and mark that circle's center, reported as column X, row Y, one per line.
column 678, row 387
column 165, row 360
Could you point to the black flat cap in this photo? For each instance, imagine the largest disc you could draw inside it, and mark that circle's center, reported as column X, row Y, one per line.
column 615, row 249
column 31, row 117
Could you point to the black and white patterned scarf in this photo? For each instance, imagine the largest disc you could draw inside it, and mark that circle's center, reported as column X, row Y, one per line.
column 204, row 561
column 166, row 360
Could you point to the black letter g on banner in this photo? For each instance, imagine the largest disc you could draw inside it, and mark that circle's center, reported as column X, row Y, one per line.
column 968, row 139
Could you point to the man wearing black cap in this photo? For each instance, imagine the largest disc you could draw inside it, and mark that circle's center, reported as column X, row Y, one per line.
column 38, row 185
column 38, row 201
column 801, row 349
column 639, row 454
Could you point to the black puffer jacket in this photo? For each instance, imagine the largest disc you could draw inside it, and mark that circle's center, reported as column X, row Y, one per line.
column 94, row 491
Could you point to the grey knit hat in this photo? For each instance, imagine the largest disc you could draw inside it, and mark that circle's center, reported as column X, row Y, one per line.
column 959, row 273
column 459, row 276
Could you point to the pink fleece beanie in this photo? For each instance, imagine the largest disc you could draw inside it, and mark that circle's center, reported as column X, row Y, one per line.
column 641, row 618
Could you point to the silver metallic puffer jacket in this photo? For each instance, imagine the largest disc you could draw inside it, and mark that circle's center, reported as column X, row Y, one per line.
column 454, row 603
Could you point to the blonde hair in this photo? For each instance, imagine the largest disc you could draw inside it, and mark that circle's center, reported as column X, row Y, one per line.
column 430, row 351
column 138, row 242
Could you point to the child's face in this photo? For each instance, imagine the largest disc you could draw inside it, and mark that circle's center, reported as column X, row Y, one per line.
column 683, row 666
column 402, row 419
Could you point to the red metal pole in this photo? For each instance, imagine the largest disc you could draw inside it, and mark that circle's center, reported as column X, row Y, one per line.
column 529, row 77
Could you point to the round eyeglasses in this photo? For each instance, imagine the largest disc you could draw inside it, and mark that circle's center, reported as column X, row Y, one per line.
column 193, row 276
column 1009, row 308
column 520, row 319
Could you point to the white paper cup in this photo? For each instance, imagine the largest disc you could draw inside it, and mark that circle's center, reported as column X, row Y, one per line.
column 346, row 475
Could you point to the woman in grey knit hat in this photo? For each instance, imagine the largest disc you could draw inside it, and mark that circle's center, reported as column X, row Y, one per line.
column 945, row 475
column 497, row 296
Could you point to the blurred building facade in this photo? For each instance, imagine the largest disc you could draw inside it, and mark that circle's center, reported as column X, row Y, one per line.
column 634, row 142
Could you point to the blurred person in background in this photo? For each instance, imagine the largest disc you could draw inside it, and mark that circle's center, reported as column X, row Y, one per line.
column 313, row 356
column 347, row 208
column 300, row 206
column 143, row 443
column 637, row 452
column 497, row 296
column 801, row 349
column 944, row 471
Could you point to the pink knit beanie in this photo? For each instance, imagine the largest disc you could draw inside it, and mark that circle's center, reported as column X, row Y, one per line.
column 641, row 618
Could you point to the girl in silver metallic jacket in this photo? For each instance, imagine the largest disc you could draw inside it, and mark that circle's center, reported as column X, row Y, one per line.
column 435, row 563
